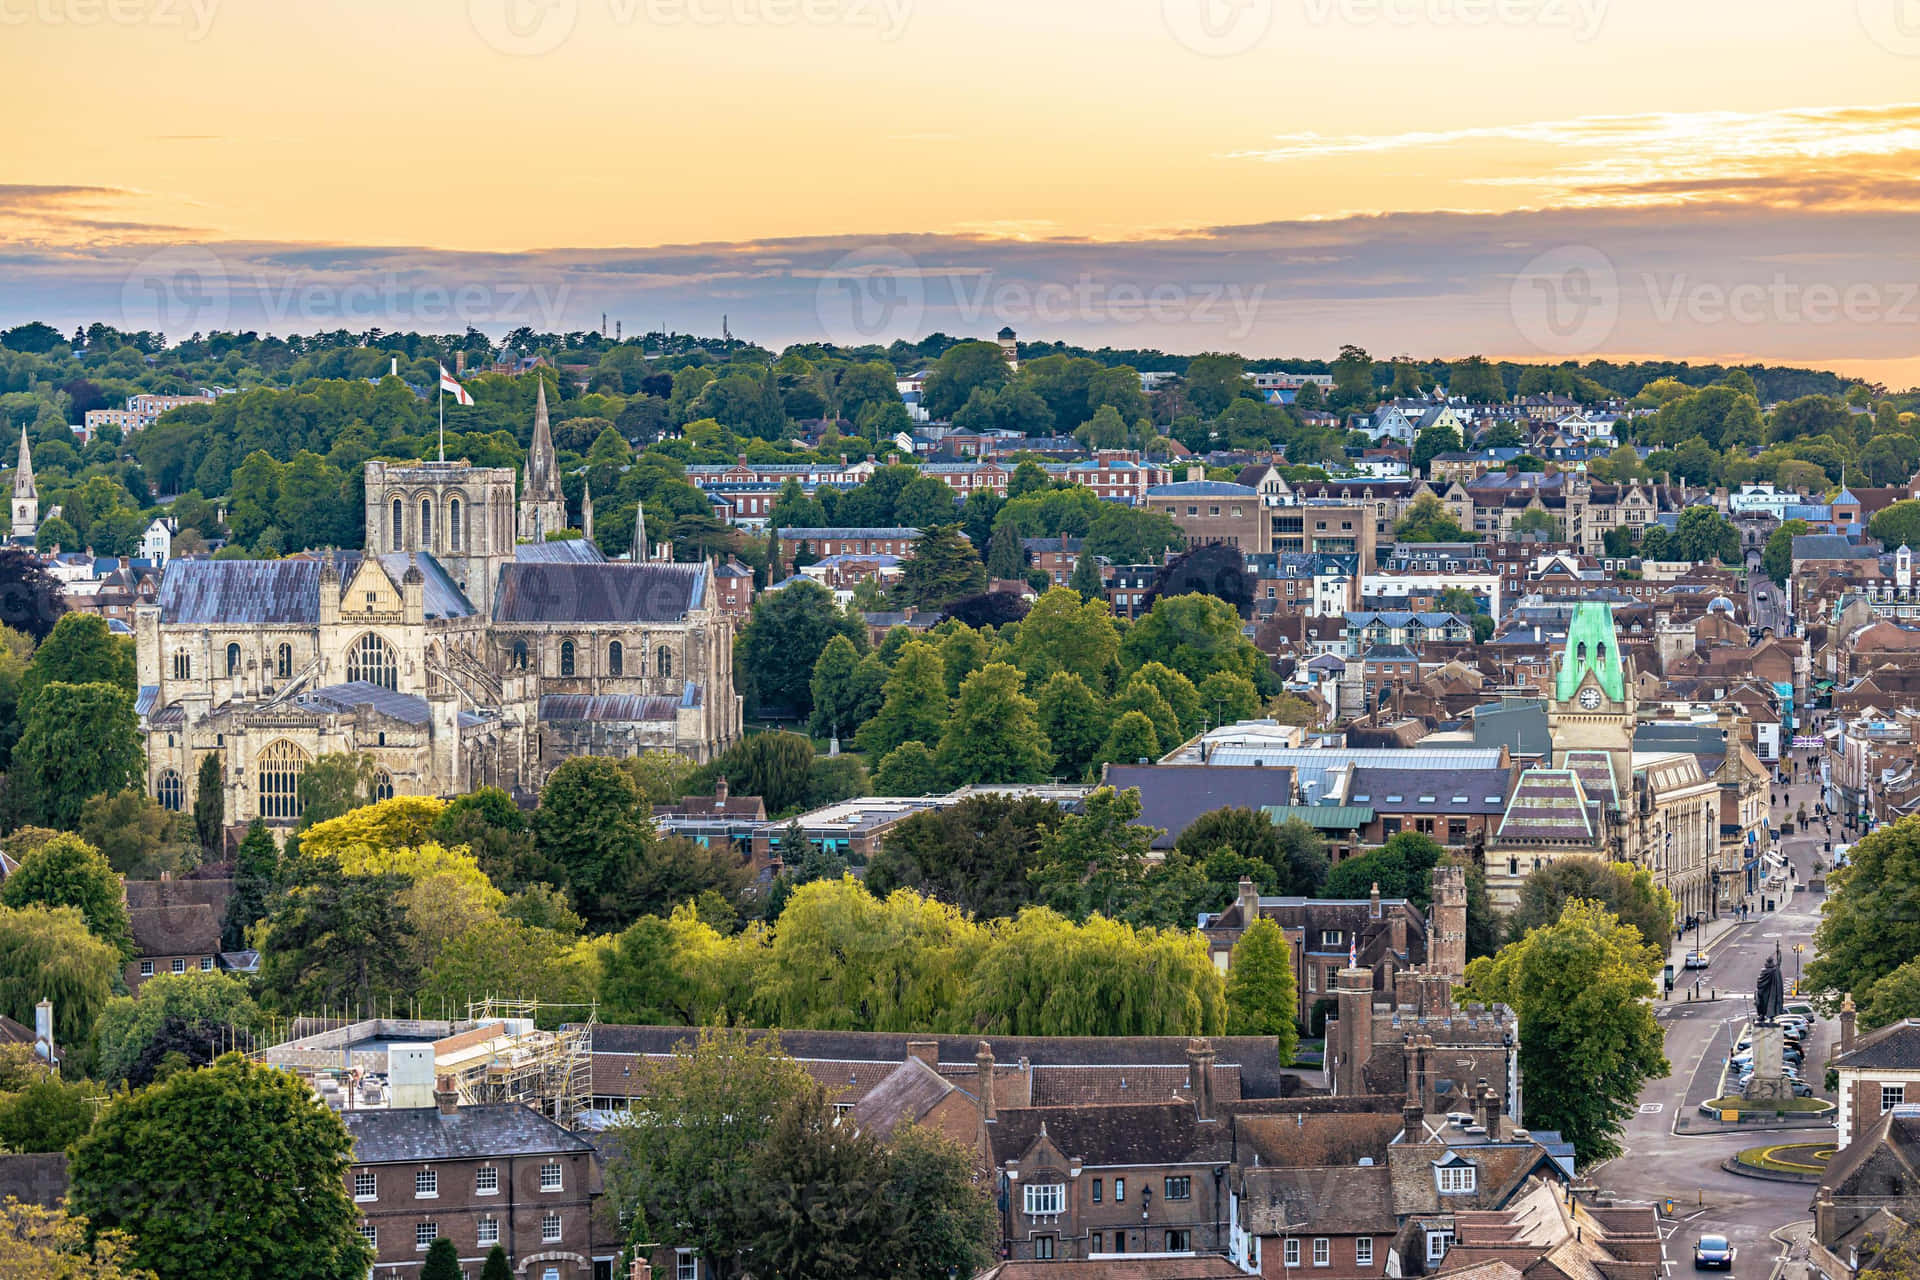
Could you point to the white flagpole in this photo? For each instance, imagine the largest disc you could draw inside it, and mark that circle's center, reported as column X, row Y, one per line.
column 443, row 415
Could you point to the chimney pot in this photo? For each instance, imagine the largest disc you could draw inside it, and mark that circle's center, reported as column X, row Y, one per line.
column 445, row 1096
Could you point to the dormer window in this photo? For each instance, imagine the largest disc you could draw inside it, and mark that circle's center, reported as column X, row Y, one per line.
column 1455, row 1178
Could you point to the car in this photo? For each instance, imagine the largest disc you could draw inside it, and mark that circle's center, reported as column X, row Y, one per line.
column 1713, row 1253
column 1801, row 1089
column 1697, row 960
column 1761, row 596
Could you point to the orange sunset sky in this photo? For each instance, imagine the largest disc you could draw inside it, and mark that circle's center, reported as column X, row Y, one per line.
column 1394, row 174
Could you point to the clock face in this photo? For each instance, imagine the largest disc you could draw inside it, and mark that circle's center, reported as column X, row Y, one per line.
column 1590, row 698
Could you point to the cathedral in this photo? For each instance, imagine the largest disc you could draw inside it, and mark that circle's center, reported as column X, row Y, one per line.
column 464, row 647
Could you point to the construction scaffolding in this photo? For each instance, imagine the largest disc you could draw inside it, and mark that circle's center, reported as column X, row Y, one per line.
column 555, row 1067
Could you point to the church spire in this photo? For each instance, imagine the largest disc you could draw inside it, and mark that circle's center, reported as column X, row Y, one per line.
column 23, row 486
column 639, row 533
column 542, row 466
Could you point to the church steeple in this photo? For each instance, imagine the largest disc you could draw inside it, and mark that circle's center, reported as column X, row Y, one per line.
column 543, row 507
column 639, row 533
column 26, row 494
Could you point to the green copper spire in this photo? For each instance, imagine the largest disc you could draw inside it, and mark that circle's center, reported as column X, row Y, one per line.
column 1592, row 646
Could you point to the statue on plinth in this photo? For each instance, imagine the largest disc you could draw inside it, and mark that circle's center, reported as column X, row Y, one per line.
column 1769, row 993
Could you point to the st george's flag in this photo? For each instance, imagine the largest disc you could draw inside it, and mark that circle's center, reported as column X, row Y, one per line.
column 453, row 388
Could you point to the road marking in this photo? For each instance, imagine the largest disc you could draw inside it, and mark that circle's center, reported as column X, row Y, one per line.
column 1652, row 1108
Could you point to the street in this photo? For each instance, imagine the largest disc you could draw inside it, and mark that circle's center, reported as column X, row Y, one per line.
column 1673, row 1150
column 1769, row 613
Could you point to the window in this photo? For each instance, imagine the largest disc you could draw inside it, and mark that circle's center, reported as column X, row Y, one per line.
column 1290, row 1252
column 171, row 793
column 233, row 661
column 371, row 660
column 281, row 765
column 664, row 663
column 519, row 655
column 399, row 522
column 424, row 1234
column 1891, row 1096
column 1047, row 1198
column 371, row 1235
column 1330, row 938
column 283, row 667
column 1363, row 1251
column 550, row 1228
column 426, row 523
column 366, row 1186
column 1043, row 1248
column 1179, row 1188
column 686, row 1266
column 426, row 1183
column 1119, row 1190
column 486, row 1181
column 1095, row 1242
column 183, row 665
column 1098, row 1184
column 550, row 1176
column 382, row 783
column 180, row 964
column 1437, row 1244
column 1457, row 1179
column 1180, row 1241
column 1322, row 1251
column 616, row 659
column 206, row 964
column 453, row 523
column 146, row 968
column 566, row 657
column 487, row 1231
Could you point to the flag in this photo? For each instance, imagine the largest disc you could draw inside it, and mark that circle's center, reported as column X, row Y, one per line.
column 1353, row 952
column 448, row 385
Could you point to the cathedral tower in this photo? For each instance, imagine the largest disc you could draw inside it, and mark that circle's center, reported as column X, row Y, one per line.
column 543, row 508
column 26, row 494
column 1593, row 704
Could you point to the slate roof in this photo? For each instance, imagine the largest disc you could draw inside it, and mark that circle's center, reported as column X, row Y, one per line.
column 904, row 1097
column 588, row 593
column 838, row 533
column 439, row 597
column 1595, row 771
column 183, row 929
column 1518, row 725
column 1173, row 796
column 1830, row 546
column 1548, row 804
column 564, row 551
column 257, row 592
column 1201, row 489
column 405, row 1135
column 1138, row 1133
column 605, row 707
column 350, row 695
column 1895, row 1046
column 1431, row 790
column 1330, row 1201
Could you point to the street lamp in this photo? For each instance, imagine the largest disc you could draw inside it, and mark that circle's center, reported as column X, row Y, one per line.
column 1798, row 947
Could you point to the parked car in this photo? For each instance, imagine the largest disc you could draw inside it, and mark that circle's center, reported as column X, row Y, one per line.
column 1801, row 1089
column 1713, row 1253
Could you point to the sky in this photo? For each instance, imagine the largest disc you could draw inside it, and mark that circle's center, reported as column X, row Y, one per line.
column 1532, row 179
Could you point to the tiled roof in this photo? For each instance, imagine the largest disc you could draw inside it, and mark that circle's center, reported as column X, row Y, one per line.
column 1067, row 1086
column 561, row 551
column 1329, row 1201
column 1152, row 1133
column 353, row 694
column 213, row 892
column 602, row 707
column 1595, row 771
column 405, row 1135
column 257, row 592
column 612, row 592
column 904, row 1097
column 1894, row 1046
column 1548, row 804
column 183, row 929
column 1173, row 796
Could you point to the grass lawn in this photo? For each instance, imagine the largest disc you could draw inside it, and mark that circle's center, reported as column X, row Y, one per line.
column 1790, row 1157
column 1737, row 1103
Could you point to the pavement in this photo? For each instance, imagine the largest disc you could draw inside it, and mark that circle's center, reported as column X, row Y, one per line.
column 1664, row 1161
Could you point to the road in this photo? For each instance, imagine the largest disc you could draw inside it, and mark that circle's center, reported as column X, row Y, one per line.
column 1767, row 613
column 1660, row 1163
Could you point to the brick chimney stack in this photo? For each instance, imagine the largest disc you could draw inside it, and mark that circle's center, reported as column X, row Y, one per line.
column 983, row 1064
column 1200, row 1076
column 445, row 1096
column 1847, row 1017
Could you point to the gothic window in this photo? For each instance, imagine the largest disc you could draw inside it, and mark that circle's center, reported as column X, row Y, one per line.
column 519, row 655
column 170, row 793
column 663, row 663
column 399, row 523
column 382, row 785
column 566, row 657
column 281, row 765
column 615, row 659
column 182, row 665
column 233, row 661
column 371, row 660
column 426, row 524
column 453, row 523
column 284, row 667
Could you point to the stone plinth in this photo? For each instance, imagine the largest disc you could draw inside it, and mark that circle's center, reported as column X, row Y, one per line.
column 1769, row 1082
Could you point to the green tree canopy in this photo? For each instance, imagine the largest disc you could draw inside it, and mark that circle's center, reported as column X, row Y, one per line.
column 993, row 734
column 48, row 953
column 783, row 639
column 943, row 568
column 79, row 741
column 1871, row 922
column 1628, row 892
column 914, row 705
column 1260, row 994
column 172, row 1010
column 68, row 872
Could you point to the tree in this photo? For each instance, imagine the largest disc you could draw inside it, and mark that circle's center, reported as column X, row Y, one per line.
column 1475, row 380
column 1005, row 556
column 1227, row 697
column 79, row 650
column 1074, row 721
column 1260, row 994
column 1539, row 522
column 843, row 697
column 914, row 704
column 977, row 854
column 48, row 953
column 497, row 1267
column 1704, row 535
column 68, row 872
column 1628, row 892
column 48, row 1244
column 1583, row 988
column 1062, row 632
column 1132, row 737
column 256, row 872
column 1352, row 378
column 1897, row 525
column 1777, row 560
column 1303, row 855
column 30, row 597
column 943, row 568
column 210, row 808
column 1428, row 520
column 964, row 368
column 336, row 940
column 49, row 1114
column 1085, row 578
column 204, row 1012
column 1433, row 442
column 1402, row 867
column 1042, row 975
column 237, row 1171
column 1890, row 459
column 945, row 1223
column 1216, row 570
column 336, row 782
column 910, row 769
column 777, row 767
column 1194, row 635
column 79, row 740
column 783, row 639
column 593, row 823
column 1213, row 381
column 1296, row 866
column 442, row 1262
column 1869, row 927
column 992, row 734
column 681, row 1173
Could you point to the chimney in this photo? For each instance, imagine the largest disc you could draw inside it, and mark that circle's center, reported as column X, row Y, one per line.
column 1823, row 1214
column 1249, row 899
column 928, row 1051
column 983, row 1063
column 446, row 1097
column 1480, row 1099
column 1196, row 473
column 1200, row 1077
column 1374, row 911
column 43, row 1029
column 1847, row 1016
column 720, row 792
column 1413, row 1117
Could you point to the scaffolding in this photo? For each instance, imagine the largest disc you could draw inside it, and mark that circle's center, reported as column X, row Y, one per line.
column 555, row 1068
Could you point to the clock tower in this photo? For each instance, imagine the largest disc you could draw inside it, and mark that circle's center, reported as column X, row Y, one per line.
column 1593, row 705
